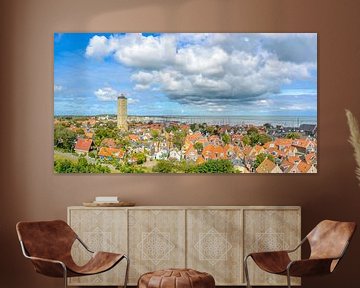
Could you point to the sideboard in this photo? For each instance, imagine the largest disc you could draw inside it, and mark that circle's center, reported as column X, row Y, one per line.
column 213, row 239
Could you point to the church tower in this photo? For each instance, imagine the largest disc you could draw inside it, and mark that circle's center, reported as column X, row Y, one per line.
column 122, row 113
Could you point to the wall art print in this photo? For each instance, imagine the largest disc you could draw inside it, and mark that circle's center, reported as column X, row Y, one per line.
column 185, row 103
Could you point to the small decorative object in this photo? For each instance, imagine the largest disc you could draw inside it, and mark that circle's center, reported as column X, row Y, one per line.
column 354, row 139
column 185, row 103
column 104, row 204
column 108, row 201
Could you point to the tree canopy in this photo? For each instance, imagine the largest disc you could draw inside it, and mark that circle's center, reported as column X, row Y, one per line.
column 214, row 166
column 81, row 166
column 64, row 138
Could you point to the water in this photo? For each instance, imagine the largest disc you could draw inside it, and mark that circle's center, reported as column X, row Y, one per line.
column 287, row 121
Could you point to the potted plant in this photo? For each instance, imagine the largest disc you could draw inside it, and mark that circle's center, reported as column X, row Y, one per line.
column 354, row 139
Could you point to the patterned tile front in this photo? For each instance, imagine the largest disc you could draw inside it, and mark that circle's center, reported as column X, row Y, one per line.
column 270, row 230
column 157, row 240
column 100, row 230
column 214, row 244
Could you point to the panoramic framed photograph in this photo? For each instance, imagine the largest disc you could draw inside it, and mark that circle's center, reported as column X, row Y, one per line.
column 185, row 103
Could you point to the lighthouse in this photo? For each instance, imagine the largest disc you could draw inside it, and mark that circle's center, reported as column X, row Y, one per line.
column 122, row 113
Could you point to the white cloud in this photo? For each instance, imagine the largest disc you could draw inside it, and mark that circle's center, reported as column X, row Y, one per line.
column 201, row 68
column 149, row 52
column 200, row 60
column 110, row 94
column 99, row 47
column 106, row 94
column 132, row 100
column 134, row 50
column 58, row 88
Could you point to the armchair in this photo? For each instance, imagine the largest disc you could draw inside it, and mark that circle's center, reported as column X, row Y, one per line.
column 48, row 245
column 328, row 242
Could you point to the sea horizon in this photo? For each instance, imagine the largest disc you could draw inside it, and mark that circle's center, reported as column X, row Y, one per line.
column 285, row 120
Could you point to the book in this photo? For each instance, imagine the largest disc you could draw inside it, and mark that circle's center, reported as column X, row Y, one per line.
column 107, row 199
column 106, row 202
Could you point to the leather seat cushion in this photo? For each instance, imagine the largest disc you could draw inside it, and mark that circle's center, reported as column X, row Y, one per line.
column 176, row 278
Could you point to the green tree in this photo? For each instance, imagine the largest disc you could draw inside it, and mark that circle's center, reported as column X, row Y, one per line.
column 264, row 138
column 184, row 167
column 246, row 140
column 80, row 132
column 81, row 166
column 64, row 138
column 211, row 130
column 261, row 157
column 128, row 168
column 215, row 166
column 92, row 154
column 104, row 132
column 252, row 130
column 293, row 135
column 155, row 134
column 140, row 158
column 194, row 127
column 199, row 147
column 226, row 138
column 164, row 166
column 179, row 139
column 63, row 166
column 253, row 137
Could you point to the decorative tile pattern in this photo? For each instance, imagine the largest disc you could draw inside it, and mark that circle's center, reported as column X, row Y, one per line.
column 156, row 246
column 269, row 241
column 270, row 230
column 213, row 246
column 101, row 230
column 214, row 242
column 157, row 241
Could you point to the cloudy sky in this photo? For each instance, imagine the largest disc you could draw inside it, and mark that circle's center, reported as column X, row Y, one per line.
column 186, row 74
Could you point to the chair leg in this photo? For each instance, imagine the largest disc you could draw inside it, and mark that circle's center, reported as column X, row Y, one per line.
column 288, row 278
column 65, row 277
column 246, row 270
column 127, row 271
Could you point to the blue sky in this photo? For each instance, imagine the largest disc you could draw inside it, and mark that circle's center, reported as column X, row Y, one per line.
column 186, row 73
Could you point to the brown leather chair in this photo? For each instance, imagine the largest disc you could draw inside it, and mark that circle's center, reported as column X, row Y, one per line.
column 48, row 245
column 328, row 242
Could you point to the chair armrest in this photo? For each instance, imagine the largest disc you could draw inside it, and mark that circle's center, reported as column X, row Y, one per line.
column 48, row 267
column 309, row 267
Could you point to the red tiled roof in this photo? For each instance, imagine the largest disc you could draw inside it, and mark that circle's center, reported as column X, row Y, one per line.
column 214, row 152
column 194, row 137
column 214, row 137
column 293, row 159
column 302, row 143
column 111, row 152
column 134, row 137
column 83, row 145
column 303, row 167
column 268, row 145
column 266, row 166
column 283, row 142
